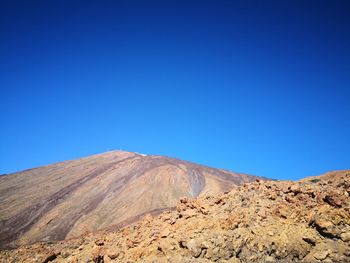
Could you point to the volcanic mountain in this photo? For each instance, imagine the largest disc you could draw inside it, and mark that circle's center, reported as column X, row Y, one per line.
column 262, row 221
column 100, row 192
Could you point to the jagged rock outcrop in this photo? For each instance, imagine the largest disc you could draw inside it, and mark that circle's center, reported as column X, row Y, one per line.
column 262, row 221
column 103, row 191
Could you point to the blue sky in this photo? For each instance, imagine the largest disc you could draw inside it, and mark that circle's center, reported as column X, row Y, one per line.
column 261, row 87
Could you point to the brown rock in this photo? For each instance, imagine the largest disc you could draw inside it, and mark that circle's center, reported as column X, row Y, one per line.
column 282, row 212
column 99, row 242
column 98, row 258
column 194, row 247
column 50, row 257
column 182, row 244
column 321, row 255
column 65, row 254
column 269, row 259
column 323, row 223
column 327, row 228
column 270, row 233
column 345, row 236
column 188, row 213
column 295, row 188
column 73, row 259
column 309, row 240
column 165, row 216
column 130, row 243
column 165, row 232
column 112, row 254
column 272, row 196
column 333, row 200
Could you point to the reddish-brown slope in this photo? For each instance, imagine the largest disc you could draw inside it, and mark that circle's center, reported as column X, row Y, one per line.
column 271, row 221
column 67, row 199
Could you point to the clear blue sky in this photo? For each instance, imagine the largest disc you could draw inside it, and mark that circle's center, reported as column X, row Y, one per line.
column 261, row 87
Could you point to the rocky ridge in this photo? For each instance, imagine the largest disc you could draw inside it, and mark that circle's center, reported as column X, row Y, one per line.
column 262, row 221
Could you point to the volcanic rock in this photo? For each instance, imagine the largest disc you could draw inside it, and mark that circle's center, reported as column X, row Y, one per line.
column 312, row 230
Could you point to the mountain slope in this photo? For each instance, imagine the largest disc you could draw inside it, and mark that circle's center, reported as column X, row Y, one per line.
column 262, row 221
column 67, row 199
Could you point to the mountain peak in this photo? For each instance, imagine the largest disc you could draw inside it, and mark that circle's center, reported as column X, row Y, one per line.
column 98, row 192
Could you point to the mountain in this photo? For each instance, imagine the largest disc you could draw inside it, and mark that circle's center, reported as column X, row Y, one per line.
column 261, row 221
column 103, row 191
column 333, row 175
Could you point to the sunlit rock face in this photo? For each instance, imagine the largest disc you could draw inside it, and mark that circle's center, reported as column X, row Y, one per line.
column 103, row 191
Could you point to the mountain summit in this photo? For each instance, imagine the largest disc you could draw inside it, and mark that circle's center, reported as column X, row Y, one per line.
column 103, row 191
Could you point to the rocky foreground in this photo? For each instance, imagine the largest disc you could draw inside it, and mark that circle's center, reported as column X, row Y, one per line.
column 263, row 221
